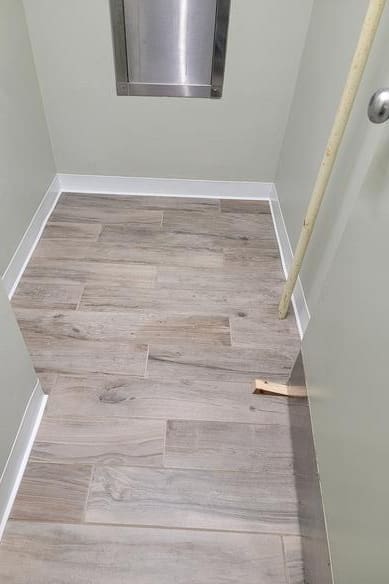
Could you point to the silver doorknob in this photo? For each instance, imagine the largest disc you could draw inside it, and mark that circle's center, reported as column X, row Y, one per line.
column 378, row 111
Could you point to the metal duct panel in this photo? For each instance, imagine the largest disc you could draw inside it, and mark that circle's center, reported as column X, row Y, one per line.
column 170, row 41
column 170, row 47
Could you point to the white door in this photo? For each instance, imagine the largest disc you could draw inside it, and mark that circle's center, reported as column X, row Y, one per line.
column 346, row 357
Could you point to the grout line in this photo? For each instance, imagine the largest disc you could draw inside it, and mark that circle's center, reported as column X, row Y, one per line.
column 80, row 298
column 164, row 445
column 226, row 470
column 147, row 360
column 157, row 527
column 286, row 570
column 100, row 233
column 93, row 466
column 144, row 467
column 230, row 329
column 176, row 469
column 169, row 417
column 198, row 529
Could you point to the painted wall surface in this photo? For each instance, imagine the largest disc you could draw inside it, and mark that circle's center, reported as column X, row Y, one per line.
column 26, row 160
column 345, row 354
column 17, row 378
column 95, row 132
column 329, row 48
column 345, row 348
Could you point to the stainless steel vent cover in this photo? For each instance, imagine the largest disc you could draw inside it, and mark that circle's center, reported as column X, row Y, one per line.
column 170, row 47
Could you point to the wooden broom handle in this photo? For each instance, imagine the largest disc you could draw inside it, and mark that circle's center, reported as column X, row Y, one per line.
column 358, row 65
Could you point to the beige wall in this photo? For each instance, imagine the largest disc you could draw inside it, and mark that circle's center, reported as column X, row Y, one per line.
column 345, row 347
column 17, row 380
column 26, row 160
column 345, row 353
column 330, row 44
column 26, row 170
column 95, row 132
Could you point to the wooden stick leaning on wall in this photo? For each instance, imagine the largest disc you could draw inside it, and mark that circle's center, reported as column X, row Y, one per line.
column 358, row 65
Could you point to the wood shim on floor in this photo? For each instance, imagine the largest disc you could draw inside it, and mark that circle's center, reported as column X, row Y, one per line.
column 267, row 388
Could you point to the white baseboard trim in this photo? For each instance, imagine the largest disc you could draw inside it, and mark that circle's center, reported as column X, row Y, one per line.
column 169, row 187
column 22, row 255
column 299, row 302
column 18, row 458
column 119, row 185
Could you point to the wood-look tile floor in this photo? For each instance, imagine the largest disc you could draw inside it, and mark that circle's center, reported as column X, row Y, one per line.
column 148, row 318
